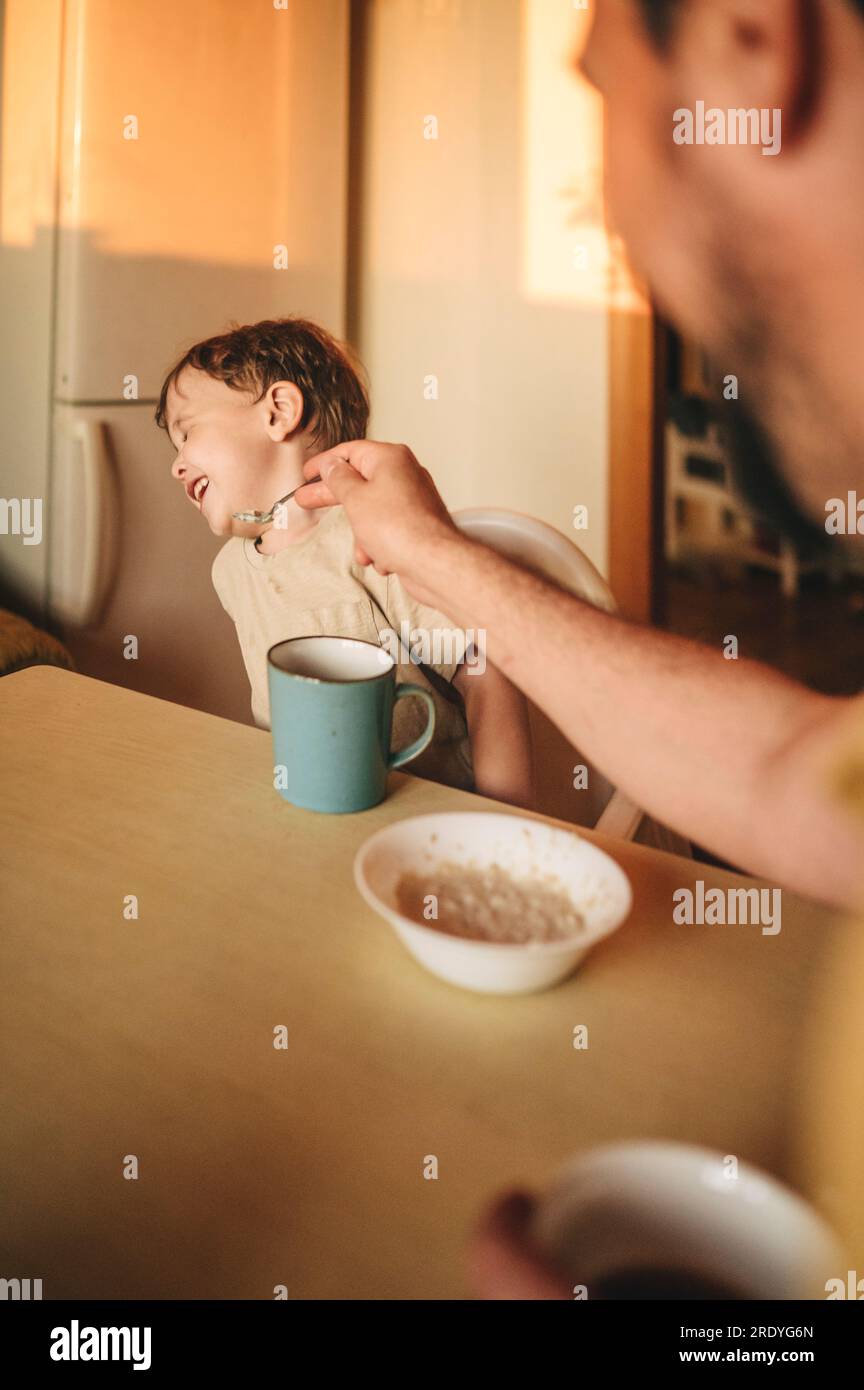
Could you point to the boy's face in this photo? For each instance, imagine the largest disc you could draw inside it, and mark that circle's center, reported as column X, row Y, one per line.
column 234, row 454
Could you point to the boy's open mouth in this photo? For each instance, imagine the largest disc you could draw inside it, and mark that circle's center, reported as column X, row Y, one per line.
column 195, row 491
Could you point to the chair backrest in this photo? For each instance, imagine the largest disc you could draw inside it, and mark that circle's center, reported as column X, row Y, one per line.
column 538, row 547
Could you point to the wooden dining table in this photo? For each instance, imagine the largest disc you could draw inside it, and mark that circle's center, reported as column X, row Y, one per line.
column 222, row 1075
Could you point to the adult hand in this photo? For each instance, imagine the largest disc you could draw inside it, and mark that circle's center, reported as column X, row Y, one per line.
column 502, row 1262
column 392, row 503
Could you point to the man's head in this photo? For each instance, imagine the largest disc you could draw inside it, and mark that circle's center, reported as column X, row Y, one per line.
column 756, row 256
column 247, row 408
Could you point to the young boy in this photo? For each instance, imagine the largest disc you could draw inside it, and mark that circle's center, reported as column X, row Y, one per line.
column 244, row 411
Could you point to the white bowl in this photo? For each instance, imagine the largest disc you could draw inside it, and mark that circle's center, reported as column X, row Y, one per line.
column 598, row 888
column 654, row 1205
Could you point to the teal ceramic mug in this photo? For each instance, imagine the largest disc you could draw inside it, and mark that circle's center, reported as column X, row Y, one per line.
column 331, row 716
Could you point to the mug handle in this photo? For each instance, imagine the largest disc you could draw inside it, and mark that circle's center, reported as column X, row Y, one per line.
column 416, row 748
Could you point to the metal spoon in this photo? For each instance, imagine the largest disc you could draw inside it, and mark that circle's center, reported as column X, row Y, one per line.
column 258, row 518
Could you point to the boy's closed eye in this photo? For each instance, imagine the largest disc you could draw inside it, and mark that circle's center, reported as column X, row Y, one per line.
column 178, row 433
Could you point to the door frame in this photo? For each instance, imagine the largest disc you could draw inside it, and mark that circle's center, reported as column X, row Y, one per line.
column 638, row 349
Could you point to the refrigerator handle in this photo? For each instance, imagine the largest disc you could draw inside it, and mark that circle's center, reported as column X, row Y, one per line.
column 96, row 493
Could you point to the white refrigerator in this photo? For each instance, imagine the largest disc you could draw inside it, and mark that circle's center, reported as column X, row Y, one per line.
column 168, row 168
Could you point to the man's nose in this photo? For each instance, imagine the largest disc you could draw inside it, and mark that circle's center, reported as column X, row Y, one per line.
column 178, row 467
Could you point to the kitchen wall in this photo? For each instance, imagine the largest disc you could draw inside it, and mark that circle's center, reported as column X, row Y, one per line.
column 480, row 302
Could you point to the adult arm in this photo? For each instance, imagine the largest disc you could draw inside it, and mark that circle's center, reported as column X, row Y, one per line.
column 730, row 753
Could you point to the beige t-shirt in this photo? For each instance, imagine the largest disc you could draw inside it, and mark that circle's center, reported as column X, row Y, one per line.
column 314, row 588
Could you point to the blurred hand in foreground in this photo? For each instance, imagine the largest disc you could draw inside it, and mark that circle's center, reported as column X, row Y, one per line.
column 502, row 1263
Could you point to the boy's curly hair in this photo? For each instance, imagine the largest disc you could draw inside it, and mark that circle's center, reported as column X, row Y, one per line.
column 252, row 357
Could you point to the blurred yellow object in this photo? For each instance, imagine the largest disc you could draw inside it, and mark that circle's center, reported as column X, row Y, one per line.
column 833, row 1091
column 833, row 1096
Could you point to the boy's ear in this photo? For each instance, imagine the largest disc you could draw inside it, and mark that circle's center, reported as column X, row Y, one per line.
column 283, row 407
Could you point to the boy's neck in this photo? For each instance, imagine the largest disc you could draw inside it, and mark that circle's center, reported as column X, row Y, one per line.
column 297, row 523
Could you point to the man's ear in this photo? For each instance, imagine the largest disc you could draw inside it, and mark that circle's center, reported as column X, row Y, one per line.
column 283, row 409
column 765, row 54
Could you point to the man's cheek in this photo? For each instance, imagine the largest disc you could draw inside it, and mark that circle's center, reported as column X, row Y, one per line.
column 630, row 216
column 642, row 209
column 627, row 187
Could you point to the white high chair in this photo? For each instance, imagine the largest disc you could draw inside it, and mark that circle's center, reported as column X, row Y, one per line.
column 537, row 546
